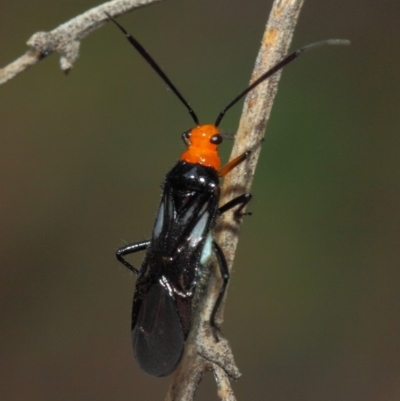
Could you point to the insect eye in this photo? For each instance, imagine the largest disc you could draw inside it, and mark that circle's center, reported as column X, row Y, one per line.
column 216, row 139
column 185, row 137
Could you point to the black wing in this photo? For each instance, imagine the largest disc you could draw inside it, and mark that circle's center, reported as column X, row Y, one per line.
column 158, row 338
column 161, row 313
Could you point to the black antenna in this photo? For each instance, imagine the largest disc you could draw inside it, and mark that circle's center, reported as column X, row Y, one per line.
column 155, row 67
column 276, row 68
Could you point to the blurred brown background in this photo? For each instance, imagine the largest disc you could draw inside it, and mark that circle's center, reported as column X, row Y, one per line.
column 313, row 311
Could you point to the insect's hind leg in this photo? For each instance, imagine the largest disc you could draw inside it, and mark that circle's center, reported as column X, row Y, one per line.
column 223, row 268
column 241, row 200
column 131, row 248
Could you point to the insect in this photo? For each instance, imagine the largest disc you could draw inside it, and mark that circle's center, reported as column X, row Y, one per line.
column 182, row 243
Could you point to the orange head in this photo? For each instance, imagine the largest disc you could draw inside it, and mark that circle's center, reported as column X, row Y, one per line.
column 202, row 142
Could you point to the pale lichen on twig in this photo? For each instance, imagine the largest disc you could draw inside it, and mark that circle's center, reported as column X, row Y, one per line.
column 66, row 38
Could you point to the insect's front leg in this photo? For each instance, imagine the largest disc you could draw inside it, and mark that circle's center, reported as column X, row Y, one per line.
column 131, row 248
column 234, row 163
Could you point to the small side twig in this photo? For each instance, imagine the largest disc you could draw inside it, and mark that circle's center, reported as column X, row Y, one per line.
column 65, row 39
column 202, row 352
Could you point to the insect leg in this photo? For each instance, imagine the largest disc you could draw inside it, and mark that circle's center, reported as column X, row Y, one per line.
column 223, row 268
column 241, row 200
column 233, row 163
column 131, row 248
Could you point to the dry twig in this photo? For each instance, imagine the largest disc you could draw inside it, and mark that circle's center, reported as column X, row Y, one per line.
column 65, row 39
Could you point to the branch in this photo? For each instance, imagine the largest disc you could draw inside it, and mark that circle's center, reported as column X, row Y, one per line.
column 65, row 39
column 202, row 352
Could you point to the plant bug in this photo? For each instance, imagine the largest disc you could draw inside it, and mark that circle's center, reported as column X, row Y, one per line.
column 182, row 243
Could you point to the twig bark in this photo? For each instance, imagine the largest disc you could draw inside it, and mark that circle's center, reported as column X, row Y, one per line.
column 202, row 352
column 65, row 39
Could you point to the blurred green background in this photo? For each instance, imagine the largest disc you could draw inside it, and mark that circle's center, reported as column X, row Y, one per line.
column 313, row 311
